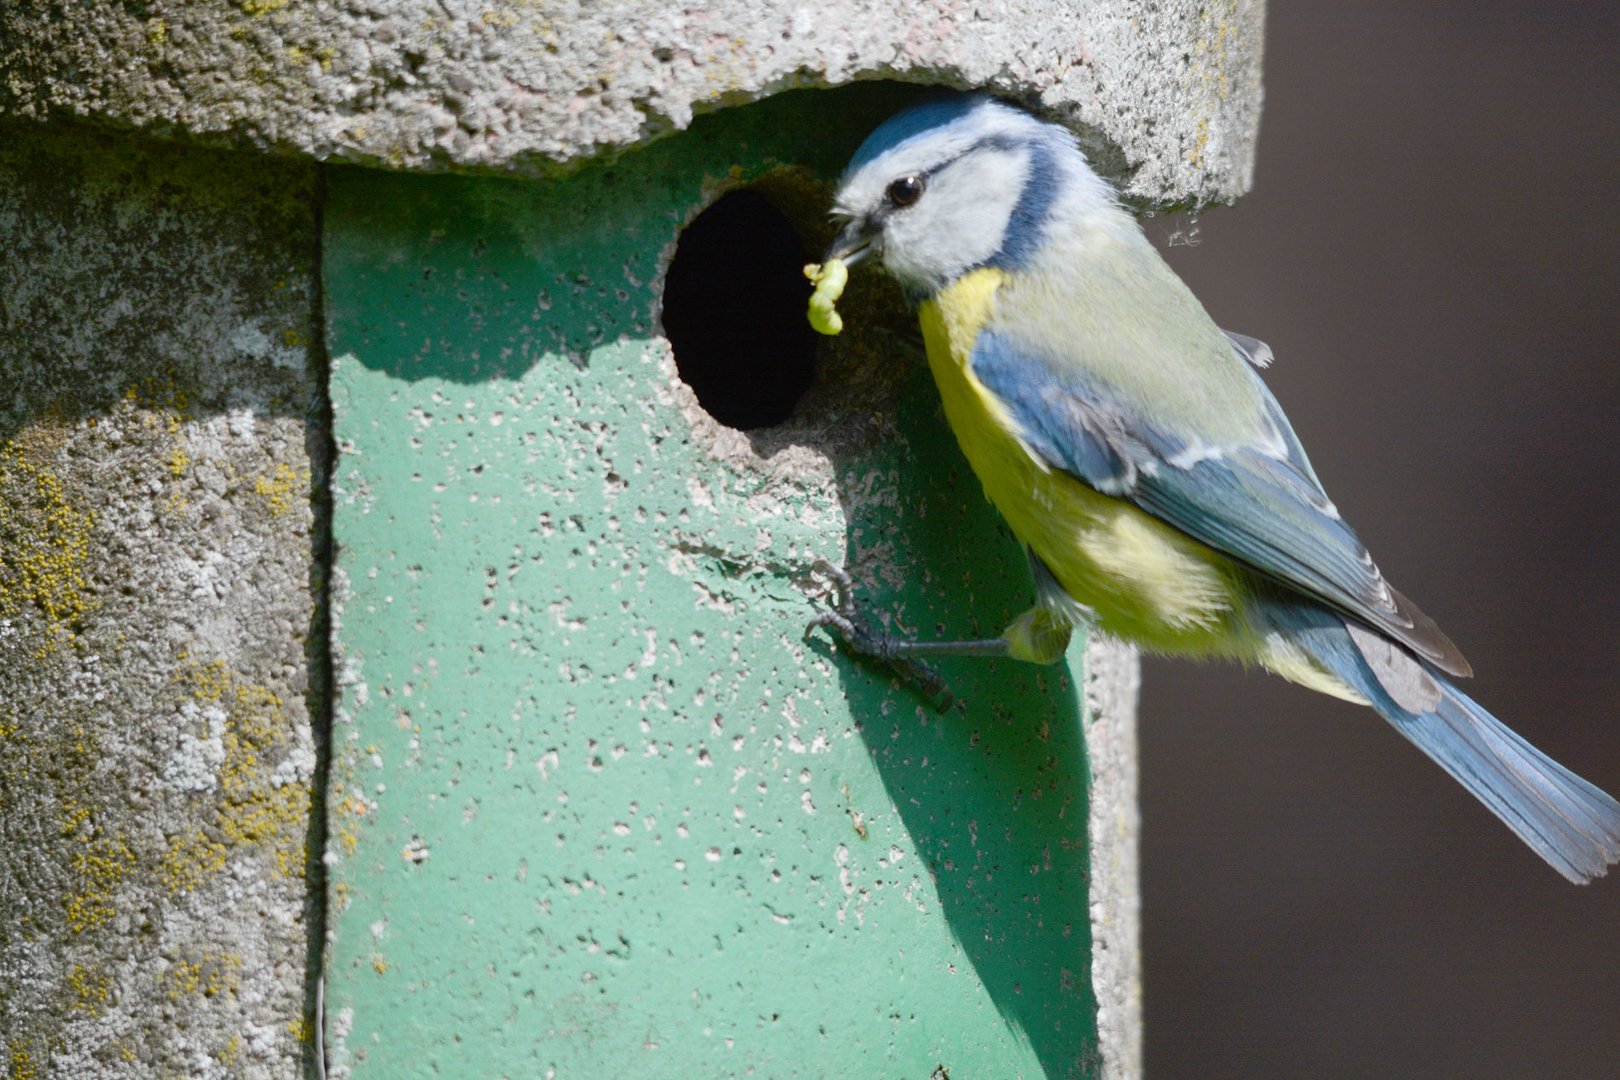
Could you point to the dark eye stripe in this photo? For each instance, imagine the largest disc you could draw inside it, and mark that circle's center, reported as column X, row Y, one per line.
column 991, row 143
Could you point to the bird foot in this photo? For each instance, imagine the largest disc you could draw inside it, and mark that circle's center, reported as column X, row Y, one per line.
column 847, row 622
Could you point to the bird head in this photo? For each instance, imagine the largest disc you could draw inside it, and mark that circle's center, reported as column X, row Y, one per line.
column 958, row 183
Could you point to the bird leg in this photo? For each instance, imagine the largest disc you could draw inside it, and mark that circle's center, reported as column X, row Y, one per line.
column 904, row 656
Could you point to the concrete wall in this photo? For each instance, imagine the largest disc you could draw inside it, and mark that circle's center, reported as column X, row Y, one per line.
column 1168, row 94
column 569, row 814
column 161, row 666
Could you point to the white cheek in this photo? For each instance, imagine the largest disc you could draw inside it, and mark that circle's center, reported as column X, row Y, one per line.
column 959, row 222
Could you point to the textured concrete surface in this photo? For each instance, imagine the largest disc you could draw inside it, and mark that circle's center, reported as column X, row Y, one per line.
column 1168, row 92
column 155, row 600
column 1112, row 680
column 597, row 808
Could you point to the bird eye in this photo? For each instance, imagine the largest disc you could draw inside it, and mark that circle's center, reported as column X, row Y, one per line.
column 904, row 191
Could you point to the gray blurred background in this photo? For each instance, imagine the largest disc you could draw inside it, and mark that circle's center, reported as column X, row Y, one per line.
column 1430, row 249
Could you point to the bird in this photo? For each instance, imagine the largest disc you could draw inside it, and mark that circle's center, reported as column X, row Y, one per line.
column 1130, row 444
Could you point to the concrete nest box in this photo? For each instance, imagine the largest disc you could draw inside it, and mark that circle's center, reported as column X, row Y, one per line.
column 481, row 325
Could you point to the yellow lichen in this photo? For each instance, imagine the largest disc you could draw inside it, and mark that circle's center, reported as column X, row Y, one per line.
column 323, row 57
column 193, row 857
column 279, row 487
column 207, row 682
column 255, row 811
column 160, row 401
column 1210, row 67
column 161, row 392
column 44, row 543
column 21, row 1063
column 90, row 989
column 99, row 865
column 349, row 810
column 1195, row 156
column 182, row 979
column 210, row 975
column 273, row 817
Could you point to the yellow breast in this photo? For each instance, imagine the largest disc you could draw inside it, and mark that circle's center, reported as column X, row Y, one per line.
column 1145, row 581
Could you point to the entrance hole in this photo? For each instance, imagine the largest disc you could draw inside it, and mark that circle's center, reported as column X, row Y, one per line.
column 734, row 312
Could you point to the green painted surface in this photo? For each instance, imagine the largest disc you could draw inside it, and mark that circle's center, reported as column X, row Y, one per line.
column 598, row 811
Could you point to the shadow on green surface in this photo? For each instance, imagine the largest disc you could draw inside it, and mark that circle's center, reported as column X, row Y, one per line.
column 566, row 259
column 993, row 792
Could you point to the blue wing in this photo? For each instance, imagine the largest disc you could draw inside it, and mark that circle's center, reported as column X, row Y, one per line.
column 1258, row 502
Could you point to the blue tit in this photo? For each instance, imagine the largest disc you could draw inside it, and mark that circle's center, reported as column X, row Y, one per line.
column 1152, row 478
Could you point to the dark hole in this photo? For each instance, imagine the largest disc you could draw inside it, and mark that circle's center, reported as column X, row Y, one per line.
column 734, row 311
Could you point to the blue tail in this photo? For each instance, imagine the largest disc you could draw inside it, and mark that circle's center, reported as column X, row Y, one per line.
column 1564, row 819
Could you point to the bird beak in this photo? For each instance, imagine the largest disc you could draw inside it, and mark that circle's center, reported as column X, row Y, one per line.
column 852, row 245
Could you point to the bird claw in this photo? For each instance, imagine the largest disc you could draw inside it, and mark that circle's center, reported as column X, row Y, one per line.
column 847, row 622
